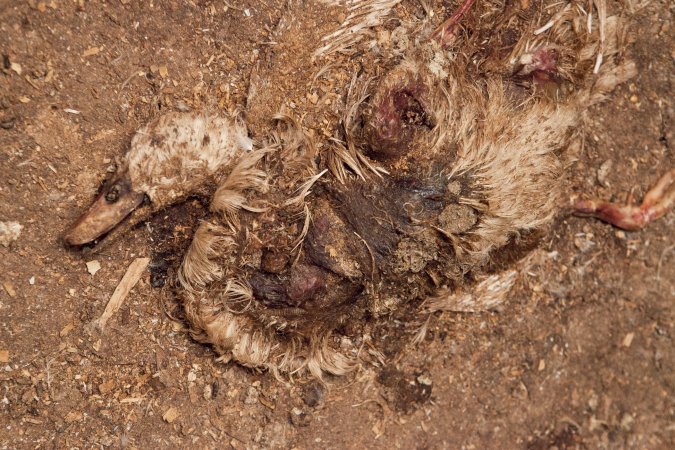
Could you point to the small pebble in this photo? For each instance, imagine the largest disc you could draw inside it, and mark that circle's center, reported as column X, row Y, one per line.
column 300, row 418
column 425, row 379
column 9, row 232
column 93, row 267
column 251, row 396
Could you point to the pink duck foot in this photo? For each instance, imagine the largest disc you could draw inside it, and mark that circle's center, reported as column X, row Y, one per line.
column 657, row 203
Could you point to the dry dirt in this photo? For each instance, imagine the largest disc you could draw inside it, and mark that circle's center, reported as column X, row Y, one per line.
column 580, row 357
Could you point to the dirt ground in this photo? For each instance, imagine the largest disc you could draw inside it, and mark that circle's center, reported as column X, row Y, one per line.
column 581, row 356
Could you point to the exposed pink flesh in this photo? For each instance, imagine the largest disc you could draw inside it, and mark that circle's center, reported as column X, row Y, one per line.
column 446, row 33
column 657, row 203
column 542, row 61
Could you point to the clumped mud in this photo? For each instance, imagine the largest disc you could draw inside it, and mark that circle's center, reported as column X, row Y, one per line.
column 581, row 356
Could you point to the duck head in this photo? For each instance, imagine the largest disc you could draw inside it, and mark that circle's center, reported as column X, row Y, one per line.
column 172, row 158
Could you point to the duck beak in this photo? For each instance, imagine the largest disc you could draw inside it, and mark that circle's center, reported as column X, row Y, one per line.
column 114, row 204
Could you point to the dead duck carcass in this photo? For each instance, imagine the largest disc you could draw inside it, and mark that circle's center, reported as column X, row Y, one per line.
column 433, row 147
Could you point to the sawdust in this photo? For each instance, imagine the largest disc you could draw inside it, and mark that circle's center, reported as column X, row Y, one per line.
column 573, row 311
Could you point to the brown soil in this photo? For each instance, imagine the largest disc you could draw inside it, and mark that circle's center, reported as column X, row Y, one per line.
column 580, row 357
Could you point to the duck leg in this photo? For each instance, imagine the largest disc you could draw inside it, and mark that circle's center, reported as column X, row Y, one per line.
column 658, row 201
column 446, row 33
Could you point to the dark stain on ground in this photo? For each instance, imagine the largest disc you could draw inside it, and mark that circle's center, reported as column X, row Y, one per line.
column 405, row 392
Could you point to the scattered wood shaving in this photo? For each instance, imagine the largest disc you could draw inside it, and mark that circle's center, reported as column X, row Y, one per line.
column 170, row 415
column 129, row 280
column 106, row 386
column 268, row 404
column 91, row 51
column 628, row 340
column 9, row 288
column 4, row 356
column 67, row 329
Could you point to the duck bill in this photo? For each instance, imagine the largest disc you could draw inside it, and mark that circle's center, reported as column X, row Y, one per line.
column 114, row 204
